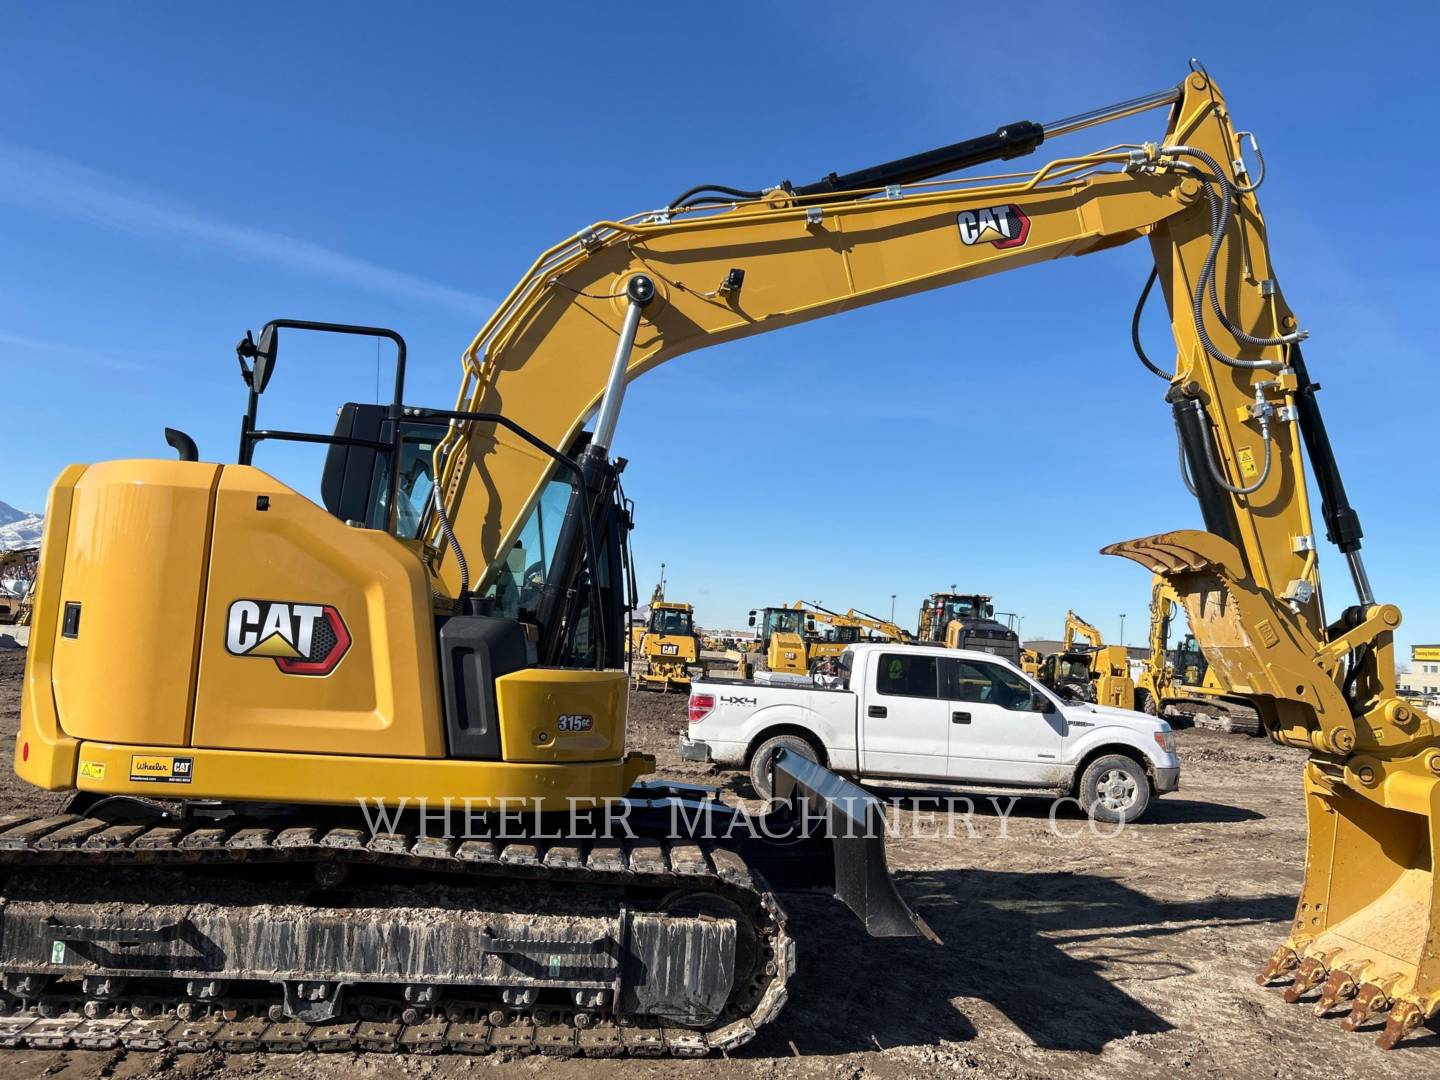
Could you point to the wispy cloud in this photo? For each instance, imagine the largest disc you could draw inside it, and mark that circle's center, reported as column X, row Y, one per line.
column 39, row 181
column 115, row 359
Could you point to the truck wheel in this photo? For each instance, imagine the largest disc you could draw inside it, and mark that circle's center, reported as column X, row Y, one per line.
column 764, row 757
column 1114, row 786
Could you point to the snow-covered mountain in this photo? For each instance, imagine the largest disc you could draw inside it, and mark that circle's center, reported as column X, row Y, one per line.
column 19, row 529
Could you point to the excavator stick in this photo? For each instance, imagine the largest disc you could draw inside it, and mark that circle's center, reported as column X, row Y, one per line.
column 1366, row 933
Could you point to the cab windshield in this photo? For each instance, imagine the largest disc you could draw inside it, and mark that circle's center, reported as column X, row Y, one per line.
column 967, row 608
column 669, row 621
column 783, row 621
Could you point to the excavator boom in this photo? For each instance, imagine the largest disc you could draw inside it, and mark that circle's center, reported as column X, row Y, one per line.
column 451, row 621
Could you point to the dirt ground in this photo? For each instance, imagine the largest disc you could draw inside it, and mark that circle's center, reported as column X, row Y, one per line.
column 1064, row 955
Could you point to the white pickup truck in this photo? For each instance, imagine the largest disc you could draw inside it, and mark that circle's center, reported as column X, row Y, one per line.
column 939, row 716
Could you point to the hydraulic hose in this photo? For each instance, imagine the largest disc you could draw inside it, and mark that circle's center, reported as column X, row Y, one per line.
column 1259, row 481
column 1222, row 208
column 449, row 533
column 1135, row 326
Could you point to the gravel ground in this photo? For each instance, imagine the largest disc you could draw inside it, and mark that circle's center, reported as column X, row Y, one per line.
column 1066, row 954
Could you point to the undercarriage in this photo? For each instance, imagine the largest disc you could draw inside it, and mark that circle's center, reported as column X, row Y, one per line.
column 290, row 928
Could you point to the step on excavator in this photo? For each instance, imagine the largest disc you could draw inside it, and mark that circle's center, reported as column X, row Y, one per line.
column 447, row 623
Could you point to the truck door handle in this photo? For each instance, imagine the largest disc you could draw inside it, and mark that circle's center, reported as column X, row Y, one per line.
column 877, row 711
column 959, row 717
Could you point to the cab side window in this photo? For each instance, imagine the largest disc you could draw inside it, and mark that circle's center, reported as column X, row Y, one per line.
column 987, row 684
column 907, row 675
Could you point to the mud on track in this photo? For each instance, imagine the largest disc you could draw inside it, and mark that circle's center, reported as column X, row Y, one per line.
column 1064, row 956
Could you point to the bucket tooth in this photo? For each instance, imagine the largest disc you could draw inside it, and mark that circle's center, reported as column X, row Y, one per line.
column 1340, row 986
column 1281, row 964
column 1370, row 1000
column 1309, row 975
column 1405, row 1017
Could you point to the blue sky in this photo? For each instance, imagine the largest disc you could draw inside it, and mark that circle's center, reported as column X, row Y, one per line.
column 172, row 174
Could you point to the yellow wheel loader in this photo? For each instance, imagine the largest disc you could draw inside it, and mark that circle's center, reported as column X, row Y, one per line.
column 1087, row 669
column 295, row 771
column 784, row 634
column 966, row 621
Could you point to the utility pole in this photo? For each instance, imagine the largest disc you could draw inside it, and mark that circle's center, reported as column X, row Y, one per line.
column 892, row 607
column 1122, row 628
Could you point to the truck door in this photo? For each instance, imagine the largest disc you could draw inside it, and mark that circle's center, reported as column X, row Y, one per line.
column 995, row 733
column 904, row 721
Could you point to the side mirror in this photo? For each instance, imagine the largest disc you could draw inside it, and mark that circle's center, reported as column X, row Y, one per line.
column 265, row 351
column 261, row 357
column 752, row 618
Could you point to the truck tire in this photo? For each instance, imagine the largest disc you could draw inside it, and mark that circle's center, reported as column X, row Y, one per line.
column 764, row 756
column 1114, row 786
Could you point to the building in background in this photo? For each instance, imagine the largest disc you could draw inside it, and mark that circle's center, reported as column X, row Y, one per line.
column 1423, row 678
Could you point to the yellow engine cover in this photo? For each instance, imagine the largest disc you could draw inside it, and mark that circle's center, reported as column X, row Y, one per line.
column 317, row 637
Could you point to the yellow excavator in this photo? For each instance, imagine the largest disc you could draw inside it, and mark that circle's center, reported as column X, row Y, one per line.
column 1086, row 669
column 667, row 643
column 843, row 629
column 1186, row 689
column 445, row 628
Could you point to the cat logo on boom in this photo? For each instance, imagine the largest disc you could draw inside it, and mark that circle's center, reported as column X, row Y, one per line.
column 1001, row 226
column 302, row 639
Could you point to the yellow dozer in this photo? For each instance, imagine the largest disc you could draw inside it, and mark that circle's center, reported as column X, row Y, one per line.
column 669, row 647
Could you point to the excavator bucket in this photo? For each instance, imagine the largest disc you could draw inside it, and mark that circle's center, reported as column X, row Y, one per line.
column 1366, row 934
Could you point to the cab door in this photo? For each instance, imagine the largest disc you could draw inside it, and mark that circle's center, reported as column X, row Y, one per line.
column 997, row 732
column 905, row 719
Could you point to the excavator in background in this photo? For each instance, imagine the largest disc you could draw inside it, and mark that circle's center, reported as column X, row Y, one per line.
column 1087, row 669
column 1184, row 688
column 446, row 626
column 17, row 583
column 667, row 642
column 966, row 621
column 843, row 630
